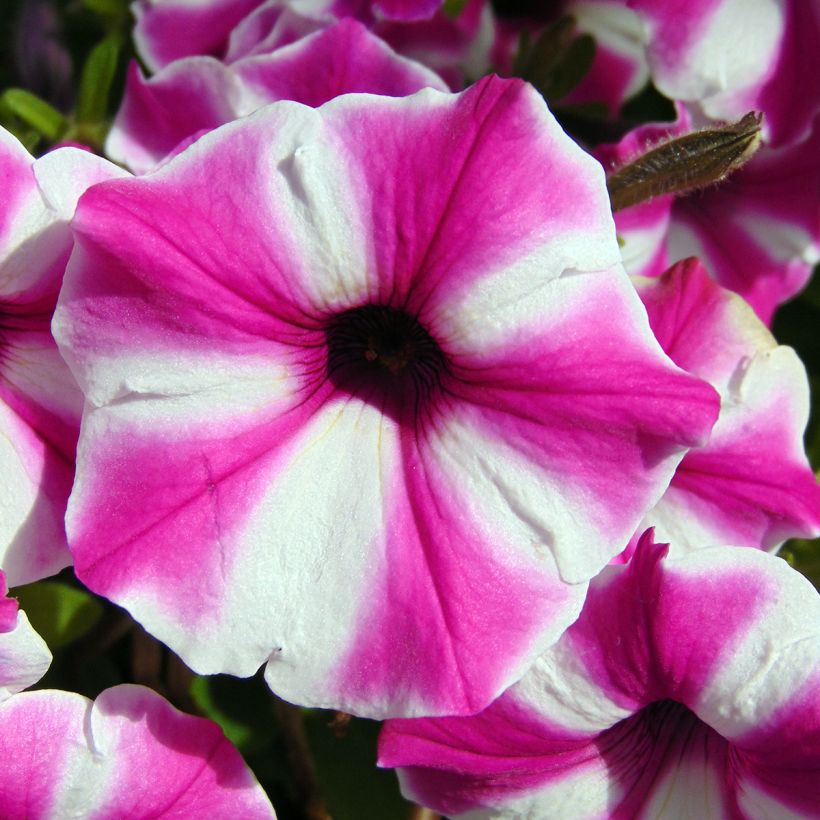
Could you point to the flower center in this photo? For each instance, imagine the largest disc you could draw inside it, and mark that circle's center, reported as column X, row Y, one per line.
column 382, row 353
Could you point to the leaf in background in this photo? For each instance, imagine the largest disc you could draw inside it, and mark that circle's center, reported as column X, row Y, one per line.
column 241, row 706
column 60, row 613
column 804, row 556
column 537, row 61
column 37, row 113
column 351, row 784
column 107, row 8
column 95, row 84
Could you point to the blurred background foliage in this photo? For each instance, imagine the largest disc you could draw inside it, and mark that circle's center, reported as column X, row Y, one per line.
column 62, row 71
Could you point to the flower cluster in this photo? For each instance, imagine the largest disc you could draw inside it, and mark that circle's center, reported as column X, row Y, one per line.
column 397, row 348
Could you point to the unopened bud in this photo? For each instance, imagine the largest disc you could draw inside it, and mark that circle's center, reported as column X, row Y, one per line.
column 686, row 163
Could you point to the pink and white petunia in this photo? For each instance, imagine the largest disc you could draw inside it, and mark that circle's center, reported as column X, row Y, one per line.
column 758, row 232
column 687, row 688
column 196, row 94
column 726, row 57
column 456, row 47
column 40, row 404
column 751, row 484
column 370, row 396
column 24, row 656
column 169, row 30
column 129, row 754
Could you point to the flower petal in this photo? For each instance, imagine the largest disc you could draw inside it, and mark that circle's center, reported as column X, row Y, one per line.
column 196, row 94
column 572, row 404
column 206, row 24
column 24, row 656
column 751, row 485
column 128, row 754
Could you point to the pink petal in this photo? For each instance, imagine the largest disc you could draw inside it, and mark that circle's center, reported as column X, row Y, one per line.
column 24, row 656
column 169, row 30
column 459, row 48
column 129, row 754
column 352, row 61
column 727, row 57
column 751, row 485
column 195, row 95
column 40, row 403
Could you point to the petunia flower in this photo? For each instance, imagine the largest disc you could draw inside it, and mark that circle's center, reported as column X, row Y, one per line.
column 726, row 57
column 458, row 47
column 687, row 688
column 758, row 232
column 40, row 404
column 751, row 484
column 370, row 397
column 129, row 754
column 168, row 30
column 24, row 656
column 196, row 94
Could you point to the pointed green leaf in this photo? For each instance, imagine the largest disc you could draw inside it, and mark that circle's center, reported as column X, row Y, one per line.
column 37, row 113
column 95, row 83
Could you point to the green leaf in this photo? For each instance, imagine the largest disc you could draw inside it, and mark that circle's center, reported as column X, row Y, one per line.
column 42, row 117
column 60, row 613
column 537, row 62
column 95, row 83
column 344, row 761
column 106, row 8
column 238, row 705
column 804, row 556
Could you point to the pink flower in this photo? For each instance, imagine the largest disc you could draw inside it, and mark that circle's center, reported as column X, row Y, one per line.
column 751, row 484
column 40, row 404
column 24, row 656
column 687, row 687
column 726, row 57
column 168, row 30
column 196, row 94
column 129, row 754
column 370, row 396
